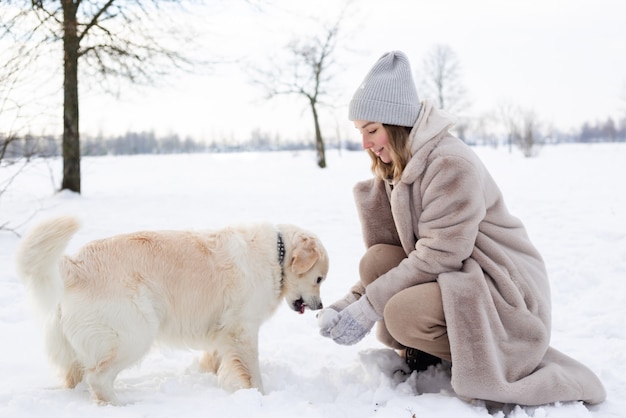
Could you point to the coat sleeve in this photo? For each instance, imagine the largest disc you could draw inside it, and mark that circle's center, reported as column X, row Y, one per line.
column 374, row 212
column 446, row 215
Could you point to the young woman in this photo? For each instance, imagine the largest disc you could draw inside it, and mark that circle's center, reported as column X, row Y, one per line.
column 448, row 273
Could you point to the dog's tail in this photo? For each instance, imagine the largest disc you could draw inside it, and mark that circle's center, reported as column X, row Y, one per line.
column 37, row 260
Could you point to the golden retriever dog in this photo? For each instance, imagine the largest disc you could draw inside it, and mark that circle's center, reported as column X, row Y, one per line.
column 206, row 290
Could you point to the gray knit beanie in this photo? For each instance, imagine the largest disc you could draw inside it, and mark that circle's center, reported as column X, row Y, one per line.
column 387, row 94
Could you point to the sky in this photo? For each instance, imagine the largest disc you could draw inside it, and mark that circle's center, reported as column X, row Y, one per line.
column 563, row 60
column 575, row 219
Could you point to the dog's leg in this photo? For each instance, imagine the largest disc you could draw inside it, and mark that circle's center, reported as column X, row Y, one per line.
column 103, row 364
column 74, row 375
column 116, row 353
column 61, row 352
column 210, row 362
column 240, row 365
column 108, row 337
column 101, row 385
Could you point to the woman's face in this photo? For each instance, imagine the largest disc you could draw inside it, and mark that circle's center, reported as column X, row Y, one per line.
column 374, row 137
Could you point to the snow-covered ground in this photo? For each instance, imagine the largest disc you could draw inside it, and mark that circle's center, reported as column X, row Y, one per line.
column 571, row 198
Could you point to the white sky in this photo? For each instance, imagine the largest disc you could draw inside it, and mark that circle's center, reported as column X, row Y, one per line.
column 564, row 60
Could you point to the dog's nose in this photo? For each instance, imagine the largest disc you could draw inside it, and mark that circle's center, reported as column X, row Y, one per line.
column 317, row 306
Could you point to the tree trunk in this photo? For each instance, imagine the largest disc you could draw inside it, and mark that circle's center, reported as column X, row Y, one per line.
column 319, row 142
column 71, row 136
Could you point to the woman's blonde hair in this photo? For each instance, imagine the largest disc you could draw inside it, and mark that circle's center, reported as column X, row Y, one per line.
column 399, row 150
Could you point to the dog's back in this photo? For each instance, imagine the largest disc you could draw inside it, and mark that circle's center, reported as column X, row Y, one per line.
column 188, row 277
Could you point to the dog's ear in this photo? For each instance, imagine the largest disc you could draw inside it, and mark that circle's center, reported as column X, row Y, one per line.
column 304, row 254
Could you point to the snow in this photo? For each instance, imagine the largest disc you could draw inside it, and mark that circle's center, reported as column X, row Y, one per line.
column 571, row 199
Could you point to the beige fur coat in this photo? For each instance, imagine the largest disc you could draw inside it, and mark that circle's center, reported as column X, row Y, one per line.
column 449, row 216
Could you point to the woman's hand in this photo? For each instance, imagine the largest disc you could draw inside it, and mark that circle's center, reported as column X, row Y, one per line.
column 327, row 318
column 353, row 323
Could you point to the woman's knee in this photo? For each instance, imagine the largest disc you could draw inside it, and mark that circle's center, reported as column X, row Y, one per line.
column 416, row 313
column 378, row 260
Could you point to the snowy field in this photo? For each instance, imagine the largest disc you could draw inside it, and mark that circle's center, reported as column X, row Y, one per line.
column 571, row 198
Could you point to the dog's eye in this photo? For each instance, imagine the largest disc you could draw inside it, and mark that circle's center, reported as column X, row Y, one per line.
column 319, row 280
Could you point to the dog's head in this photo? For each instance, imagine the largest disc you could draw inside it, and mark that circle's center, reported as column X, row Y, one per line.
column 305, row 268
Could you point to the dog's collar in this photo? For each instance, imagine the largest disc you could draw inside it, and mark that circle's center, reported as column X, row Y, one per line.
column 280, row 246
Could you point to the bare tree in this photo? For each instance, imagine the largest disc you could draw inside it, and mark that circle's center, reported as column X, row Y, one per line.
column 509, row 117
column 11, row 148
column 110, row 38
column 441, row 79
column 529, row 140
column 521, row 128
column 623, row 98
column 307, row 75
column 484, row 130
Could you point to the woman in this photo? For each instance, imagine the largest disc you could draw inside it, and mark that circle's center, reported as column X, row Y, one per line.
column 448, row 271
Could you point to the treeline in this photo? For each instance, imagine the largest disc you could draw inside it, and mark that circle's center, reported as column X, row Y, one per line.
column 133, row 143
column 607, row 131
column 149, row 143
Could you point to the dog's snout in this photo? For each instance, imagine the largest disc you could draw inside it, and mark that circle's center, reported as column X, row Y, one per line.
column 319, row 306
column 300, row 304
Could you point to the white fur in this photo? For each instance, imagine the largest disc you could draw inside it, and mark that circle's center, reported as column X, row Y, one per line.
column 209, row 290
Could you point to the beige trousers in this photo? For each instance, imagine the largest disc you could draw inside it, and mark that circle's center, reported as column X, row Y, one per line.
column 412, row 317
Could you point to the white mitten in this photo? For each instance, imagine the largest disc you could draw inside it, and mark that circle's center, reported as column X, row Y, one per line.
column 354, row 322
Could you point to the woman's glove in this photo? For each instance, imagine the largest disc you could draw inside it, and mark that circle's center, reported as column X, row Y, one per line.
column 327, row 318
column 353, row 323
